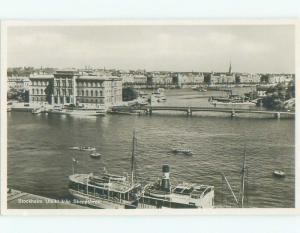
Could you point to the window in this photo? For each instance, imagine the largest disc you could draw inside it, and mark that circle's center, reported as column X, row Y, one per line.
column 101, row 93
column 37, row 91
column 82, row 93
column 42, row 91
column 32, row 92
column 92, row 93
column 87, row 93
column 96, row 93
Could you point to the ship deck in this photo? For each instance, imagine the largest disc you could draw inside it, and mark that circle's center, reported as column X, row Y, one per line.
column 116, row 186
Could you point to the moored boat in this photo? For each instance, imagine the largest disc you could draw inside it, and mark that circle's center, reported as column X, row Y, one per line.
column 158, row 95
column 76, row 111
column 37, row 111
column 162, row 194
column 108, row 191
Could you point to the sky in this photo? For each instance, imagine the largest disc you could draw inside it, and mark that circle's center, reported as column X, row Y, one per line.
column 249, row 48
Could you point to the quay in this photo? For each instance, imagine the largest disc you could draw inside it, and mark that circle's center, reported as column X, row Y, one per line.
column 148, row 110
column 21, row 200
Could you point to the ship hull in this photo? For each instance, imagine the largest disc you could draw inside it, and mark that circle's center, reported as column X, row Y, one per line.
column 98, row 202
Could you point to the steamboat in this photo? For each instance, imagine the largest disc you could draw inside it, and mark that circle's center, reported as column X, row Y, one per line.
column 163, row 194
column 106, row 191
column 110, row 191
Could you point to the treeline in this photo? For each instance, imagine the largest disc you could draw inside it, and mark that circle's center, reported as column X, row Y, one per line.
column 276, row 96
column 20, row 95
column 27, row 71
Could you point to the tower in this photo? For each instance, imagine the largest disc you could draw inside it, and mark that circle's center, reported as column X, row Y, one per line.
column 229, row 71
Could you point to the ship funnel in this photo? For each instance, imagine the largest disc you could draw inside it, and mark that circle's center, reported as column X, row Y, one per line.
column 165, row 181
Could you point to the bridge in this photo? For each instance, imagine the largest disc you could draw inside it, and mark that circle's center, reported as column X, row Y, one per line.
column 189, row 110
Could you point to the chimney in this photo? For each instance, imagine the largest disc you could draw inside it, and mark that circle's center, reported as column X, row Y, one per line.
column 165, row 181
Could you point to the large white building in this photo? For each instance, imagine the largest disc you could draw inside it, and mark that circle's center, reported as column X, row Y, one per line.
column 72, row 87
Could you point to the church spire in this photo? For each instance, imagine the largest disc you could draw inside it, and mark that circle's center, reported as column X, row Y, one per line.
column 229, row 68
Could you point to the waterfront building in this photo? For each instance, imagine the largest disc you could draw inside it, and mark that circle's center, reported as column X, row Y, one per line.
column 279, row 78
column 70, row 87
column 190, row 78
column 159, row 78
column 18, row 83
column 222, row 78
column 38, row 85
column 140, row 78
column 249, row 78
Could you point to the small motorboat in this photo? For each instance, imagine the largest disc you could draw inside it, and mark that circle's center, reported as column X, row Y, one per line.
column 95, row 155
column 182, row 151
column 87, row 148
column 83, row 148
column 278, row 173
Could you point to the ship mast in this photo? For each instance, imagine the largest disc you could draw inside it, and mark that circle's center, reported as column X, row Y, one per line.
column 239, row 201
column 132, row 158
column 243, row 179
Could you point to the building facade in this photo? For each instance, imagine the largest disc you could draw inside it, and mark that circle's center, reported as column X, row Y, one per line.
column 249, row 78
column 70, row 87
column 18, row 83
column 222, row 78
column 38, row 85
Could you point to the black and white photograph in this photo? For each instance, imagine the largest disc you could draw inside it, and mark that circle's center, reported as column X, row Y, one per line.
column 147, row 116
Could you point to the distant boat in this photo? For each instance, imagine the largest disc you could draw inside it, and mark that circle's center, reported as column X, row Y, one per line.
column 83, row 148
column 278, row 173
column 95, row 155
column 182, row 151
column 158, row 95
column 79, row 111
column 36, row 111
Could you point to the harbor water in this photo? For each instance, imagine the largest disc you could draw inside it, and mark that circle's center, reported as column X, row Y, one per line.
column 39, row 161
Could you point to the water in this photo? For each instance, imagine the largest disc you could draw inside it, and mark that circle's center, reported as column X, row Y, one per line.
column 39, row 160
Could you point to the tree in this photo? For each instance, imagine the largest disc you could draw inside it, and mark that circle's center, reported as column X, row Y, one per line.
column 277, row 95
column 129, row 93
column 49, row 91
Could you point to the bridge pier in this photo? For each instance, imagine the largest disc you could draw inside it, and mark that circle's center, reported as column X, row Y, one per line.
column 189, row 112
column 149, row 111
column 233, row 114
column 277, row 115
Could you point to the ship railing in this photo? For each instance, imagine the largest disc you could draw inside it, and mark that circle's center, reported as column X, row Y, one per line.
column 104, row 197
